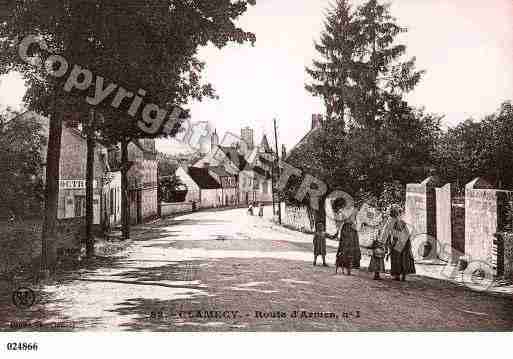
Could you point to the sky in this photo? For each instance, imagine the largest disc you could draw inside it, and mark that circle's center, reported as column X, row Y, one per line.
column 465, row 46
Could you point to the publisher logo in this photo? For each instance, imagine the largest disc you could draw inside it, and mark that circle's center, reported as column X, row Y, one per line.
column 23, row 298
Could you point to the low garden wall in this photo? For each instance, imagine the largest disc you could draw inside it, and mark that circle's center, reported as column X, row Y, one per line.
column 169, row 209
column 297, row 217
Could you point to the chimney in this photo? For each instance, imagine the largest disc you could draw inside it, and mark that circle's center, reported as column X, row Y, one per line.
column 316, row 120
column 72, row 119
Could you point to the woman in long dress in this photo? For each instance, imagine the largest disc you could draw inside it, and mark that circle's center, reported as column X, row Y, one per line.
column 348, row 247
column 398, row 244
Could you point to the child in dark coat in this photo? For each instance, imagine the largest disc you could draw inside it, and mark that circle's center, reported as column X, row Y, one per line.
column 319, row 244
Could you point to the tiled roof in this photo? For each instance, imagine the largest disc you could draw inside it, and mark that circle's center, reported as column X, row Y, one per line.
column 220, row 171
column 202, row 178
column 234, row 156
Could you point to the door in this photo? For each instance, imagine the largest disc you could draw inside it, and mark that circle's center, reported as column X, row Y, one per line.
column 96, row 209
column 139, row 207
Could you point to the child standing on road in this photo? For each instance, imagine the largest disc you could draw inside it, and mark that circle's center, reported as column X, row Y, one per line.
column 319, row 244
column 377, row 262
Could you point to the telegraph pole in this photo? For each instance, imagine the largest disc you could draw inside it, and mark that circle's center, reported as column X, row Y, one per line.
column 277, row 164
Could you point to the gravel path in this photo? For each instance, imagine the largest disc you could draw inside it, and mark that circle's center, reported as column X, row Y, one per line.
column 225, row 271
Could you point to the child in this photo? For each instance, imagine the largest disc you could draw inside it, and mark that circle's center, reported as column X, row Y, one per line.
column 377, row 262
column 319, row 244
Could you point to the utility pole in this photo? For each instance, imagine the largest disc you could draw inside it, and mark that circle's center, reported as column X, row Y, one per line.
column 89, row 185
column 277, row 165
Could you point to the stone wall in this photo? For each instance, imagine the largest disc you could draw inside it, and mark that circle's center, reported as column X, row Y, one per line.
column 297, row 217
column 508, row 255
column 458, row 228
column 484, row 218
column 480, row 223
column 169, row 209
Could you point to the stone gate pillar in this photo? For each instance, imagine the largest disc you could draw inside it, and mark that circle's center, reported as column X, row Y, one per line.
column 420, row 215
column 450, row 224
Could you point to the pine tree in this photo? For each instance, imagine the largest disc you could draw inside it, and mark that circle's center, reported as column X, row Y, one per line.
column 383, row 76
column 337, row 48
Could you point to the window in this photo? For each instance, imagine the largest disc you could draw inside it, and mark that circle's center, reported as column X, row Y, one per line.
column 265, row 188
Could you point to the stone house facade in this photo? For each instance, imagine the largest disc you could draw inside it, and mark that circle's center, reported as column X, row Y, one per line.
column 72, row 170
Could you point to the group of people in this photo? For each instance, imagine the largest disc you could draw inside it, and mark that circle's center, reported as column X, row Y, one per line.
column 391, row 243
column 260, row 209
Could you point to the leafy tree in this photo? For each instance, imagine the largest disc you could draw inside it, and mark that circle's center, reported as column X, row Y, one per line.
column 479, row 149
column 20, row 165
column 148, row 45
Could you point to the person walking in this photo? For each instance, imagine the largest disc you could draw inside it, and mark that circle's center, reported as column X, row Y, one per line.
column 250, row 209
column 260, row 209
column 319, row 244
column 348, row 246
column 398, row 245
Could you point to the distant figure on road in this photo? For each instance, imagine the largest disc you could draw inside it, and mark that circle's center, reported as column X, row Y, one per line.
column 319, row 244
column 398, row 246
column 250, row 209
column 348, row 246
column 260, row 209
column 12, row 217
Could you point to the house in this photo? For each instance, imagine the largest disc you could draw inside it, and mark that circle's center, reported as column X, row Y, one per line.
column 142, row 180
column 111, row 205
column 72, row 169
column 229, row 185
column 202, row 189
column 248, row 165
column 255, row 182
column 317, row 121
column 230, row 158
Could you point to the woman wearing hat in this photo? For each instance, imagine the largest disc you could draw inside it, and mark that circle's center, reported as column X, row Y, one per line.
column 398, row 245
column 349, row 246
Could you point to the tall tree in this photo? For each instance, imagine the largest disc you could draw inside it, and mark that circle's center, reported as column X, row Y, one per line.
column 144, row 47
column 20, row 146
column 337, row 49
column 364, row 75
column 383, row 72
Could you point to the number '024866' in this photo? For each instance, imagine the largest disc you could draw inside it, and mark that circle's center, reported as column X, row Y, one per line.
column 22, row 346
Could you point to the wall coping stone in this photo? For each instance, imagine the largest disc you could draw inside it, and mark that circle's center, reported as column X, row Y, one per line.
column 478, row 183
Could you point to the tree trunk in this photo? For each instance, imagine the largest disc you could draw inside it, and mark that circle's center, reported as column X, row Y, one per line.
column 89, row 187
column 51, row 191
column 125, row 213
